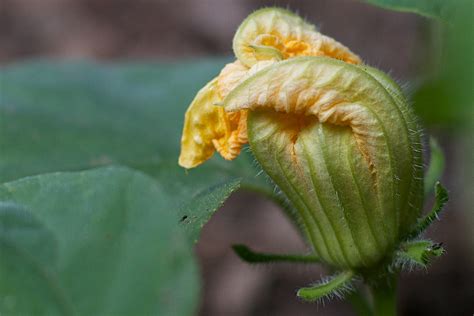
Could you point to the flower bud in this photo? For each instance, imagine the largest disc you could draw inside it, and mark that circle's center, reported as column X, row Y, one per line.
column 340, row 142
column 337, row 138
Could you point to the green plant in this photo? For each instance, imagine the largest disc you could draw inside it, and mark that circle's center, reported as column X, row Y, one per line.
column 97, row 218
column 337, row 138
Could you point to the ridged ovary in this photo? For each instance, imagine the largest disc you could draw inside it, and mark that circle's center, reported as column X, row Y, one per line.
column 336, row 141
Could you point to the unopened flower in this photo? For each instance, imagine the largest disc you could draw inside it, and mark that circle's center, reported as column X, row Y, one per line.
column 336, row 136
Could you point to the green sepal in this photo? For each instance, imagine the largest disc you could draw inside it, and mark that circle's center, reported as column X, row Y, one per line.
column 248, row 255
column 335, row 286
column 441, row 198
column 435, row 168
column 419, row 252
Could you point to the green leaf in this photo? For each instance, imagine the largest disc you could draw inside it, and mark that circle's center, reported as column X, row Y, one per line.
column 21, row 231
column 30, row 250
column 250, row 256
column 429, row 8
column 195, row 214
column 336, row 285
column 98, row 242
column 62, row 117
column 435, row 168
column 444, row 99
column 441, row 198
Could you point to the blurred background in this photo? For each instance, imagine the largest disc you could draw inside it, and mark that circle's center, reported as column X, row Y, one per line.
column 410, row 47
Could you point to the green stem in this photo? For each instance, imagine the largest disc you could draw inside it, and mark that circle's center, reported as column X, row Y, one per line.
column 248, row 255
column 384, row 295
column 360, row 303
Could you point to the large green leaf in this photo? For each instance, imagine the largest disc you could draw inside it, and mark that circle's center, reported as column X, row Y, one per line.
column 75, row 116
column 98, row 242
column 28, row 249
column 431, row 8
column 57, row 117
column 445, row 98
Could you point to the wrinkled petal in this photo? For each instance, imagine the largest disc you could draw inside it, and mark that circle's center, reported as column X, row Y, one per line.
column 207, row 127
column 287, row 33
column 264, row 38
column 203, row 122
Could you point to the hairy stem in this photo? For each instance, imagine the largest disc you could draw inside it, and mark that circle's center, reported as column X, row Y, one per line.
column 384, row 296
column 360, row 303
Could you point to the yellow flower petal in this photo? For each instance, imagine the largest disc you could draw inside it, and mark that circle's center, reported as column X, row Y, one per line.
column 230, row 77
column 234, row 73
column 203, row 122
column 207, row 127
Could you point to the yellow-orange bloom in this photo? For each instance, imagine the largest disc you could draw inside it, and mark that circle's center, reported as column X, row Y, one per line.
column 265, row 37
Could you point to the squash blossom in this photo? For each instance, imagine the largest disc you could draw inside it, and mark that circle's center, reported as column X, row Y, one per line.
column 336, row 136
